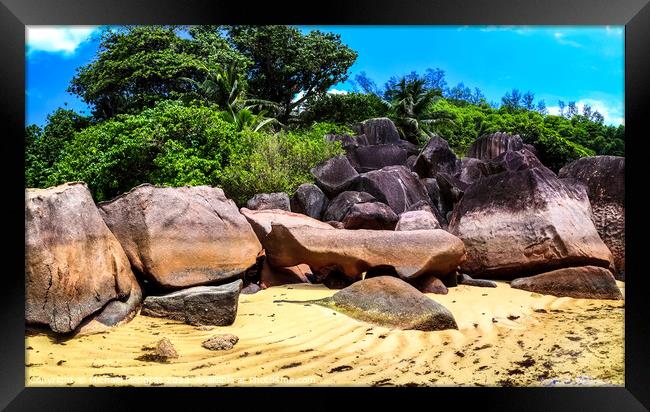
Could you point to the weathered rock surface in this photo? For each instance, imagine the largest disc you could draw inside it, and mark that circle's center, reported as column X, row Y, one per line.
column 184, row 236
column 391, row 302
column 531, row 149
column 395, row 186
column 74, row 265
column 417, row 220
column 411, row 253
column 224, row 341
column 471, row 170
column 309, row 200
column 251, row 289
column 451, row 191
column 436, row 156
column 430, row 284
column 492, row 145
column 261, row 220
column 604, row 177
column 433, row 190
column 121, row 310
column 200, row 305
column 381, row 130
column 367, row 158
column 514, row 160
column 274, row 276
column 464, row 279
column 335, row 175
column 526, row 222
column 263, row 201
column 374, row 215
column 339, row 207
column 586, row 282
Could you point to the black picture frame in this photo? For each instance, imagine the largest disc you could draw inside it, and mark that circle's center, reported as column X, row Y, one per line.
column 16, row 14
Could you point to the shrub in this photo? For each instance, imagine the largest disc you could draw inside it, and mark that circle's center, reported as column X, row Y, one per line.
column 278, row 162
column 344, row 109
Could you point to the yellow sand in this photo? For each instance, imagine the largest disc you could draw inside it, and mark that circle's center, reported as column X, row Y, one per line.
column 502, row 340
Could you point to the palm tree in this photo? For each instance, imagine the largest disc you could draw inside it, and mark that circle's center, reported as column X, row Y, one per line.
column 410, row 104
column 225, row 87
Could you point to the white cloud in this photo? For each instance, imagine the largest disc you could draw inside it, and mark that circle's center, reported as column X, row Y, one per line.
column 560, row 37
column 337, row 91
column 614, row 31
column 57, row 39
column 613, row 114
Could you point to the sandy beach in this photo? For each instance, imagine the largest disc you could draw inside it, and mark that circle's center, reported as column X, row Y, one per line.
column 506, row 337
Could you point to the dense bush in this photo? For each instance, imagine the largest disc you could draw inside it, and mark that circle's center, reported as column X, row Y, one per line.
column 559, row 140
column 177, row 145
column 278, row 162
column 344, row 109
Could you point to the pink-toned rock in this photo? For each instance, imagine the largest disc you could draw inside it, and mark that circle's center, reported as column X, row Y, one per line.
column 430, row 284
column 417, row 220
column 74, row 265
column 410, row 253
column 272, row 276
column 525, row 222
column 183, row 236
column 585, row 282
column 261, row 221
column 604, row 177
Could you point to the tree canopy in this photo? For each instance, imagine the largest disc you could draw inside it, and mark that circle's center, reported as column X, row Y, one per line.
column 247, row 108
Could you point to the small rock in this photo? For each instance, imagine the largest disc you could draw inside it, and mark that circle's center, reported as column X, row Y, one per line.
column 464, row 279
column 221, row 342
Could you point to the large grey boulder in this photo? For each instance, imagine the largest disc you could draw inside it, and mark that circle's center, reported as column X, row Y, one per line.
column 451, row 191
column 604, row 177
column 381, row 130
column 339, row 207
column 367, row 158
column 395, row 186
column 335, row 175
column 262, row 201
column 370, row 215
column 309, row 200
column 492, row 145
column 74, row 265
column 200, row 305
column 435, row 157
column 526, row 222
column 183, row 236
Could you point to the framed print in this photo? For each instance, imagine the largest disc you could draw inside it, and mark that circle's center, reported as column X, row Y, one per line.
column 430, row 196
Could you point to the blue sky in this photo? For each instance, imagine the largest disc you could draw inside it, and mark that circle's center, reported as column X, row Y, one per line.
column 571, row 63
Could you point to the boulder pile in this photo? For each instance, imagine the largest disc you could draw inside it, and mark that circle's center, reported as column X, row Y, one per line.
column 386, row 222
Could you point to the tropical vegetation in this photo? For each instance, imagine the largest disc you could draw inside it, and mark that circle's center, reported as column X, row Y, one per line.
column 246, row 108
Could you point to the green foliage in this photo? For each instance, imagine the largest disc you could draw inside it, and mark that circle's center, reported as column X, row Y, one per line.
column 557, row 139
column 174, row 145
column 139, row 66
column 43, row 147
column 278, row 162
column 411, row 102
column 170, row 144
column 286, row 62
column 344, row 109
